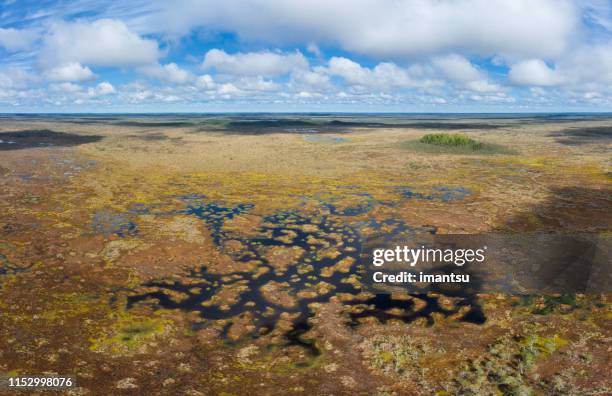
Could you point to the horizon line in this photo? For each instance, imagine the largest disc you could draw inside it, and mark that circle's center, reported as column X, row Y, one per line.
column 303, row 112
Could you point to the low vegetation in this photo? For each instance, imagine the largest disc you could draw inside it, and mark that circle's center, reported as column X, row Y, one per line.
column 454, row 143
column 449, row 139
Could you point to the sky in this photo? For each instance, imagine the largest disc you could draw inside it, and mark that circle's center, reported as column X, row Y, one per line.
column 313, row 56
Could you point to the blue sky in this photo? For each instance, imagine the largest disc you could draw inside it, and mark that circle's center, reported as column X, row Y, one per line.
column 276, row 55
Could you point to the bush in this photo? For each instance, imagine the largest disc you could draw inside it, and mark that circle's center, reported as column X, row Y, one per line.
column 449, row 139
column 454, row 143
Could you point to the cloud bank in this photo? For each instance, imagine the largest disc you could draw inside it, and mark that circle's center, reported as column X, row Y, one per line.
column 404, row 55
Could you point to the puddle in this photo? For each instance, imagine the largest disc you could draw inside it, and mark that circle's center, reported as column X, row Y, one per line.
column 324, row 139
column 214, row 214
column 365, row 203
column 8, row 268
column 302, row 130
column 441, row 193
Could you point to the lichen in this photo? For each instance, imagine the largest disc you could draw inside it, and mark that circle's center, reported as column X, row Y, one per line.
column 503, row 368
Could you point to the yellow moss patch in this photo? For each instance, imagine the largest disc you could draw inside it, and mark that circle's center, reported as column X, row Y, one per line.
column 536, row 346
column 534, row 162
column 131, row 334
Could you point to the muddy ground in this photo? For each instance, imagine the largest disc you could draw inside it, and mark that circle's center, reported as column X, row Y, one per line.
column 219, row 255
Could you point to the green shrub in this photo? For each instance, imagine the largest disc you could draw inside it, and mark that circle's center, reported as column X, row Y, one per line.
column 449, row 139
column 454, row 143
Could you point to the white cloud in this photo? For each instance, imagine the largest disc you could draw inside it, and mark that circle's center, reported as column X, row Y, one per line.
column 263, row 63
column 388, row 76
column 256, row 84
column 316, row 79
column 314, row 49
column 482, row 86
column 205, row 82
column 104, row 88
column 460, row 70
column 235, row 86
column 149, row 96
column 591, row 95
column 384, row 76
column 228, row 89
column 456, row 68
column 588, row 64
column 496, row 97
column 141, row 96
column 416, row 52
column 79, row 93
column 70, row 72
column 104, row 42
column 537, row 91
column 533, row 72
column 586, row 68
column 16, row 78
column 171, row 73
column 17, row 40
column 389, row 29
column 350, row 71
column 67, row 87
column 171, row 98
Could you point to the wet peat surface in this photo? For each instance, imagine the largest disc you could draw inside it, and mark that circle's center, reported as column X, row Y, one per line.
column 330, row 263
column 9, row 268
column 584, row 135
column 37, row 138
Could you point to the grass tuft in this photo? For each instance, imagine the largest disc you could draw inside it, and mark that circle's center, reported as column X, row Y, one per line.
column 454, row 143
column 449, row 139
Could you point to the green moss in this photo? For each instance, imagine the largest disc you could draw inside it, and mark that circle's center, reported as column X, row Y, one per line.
column 552, row 302
column 544, row 305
